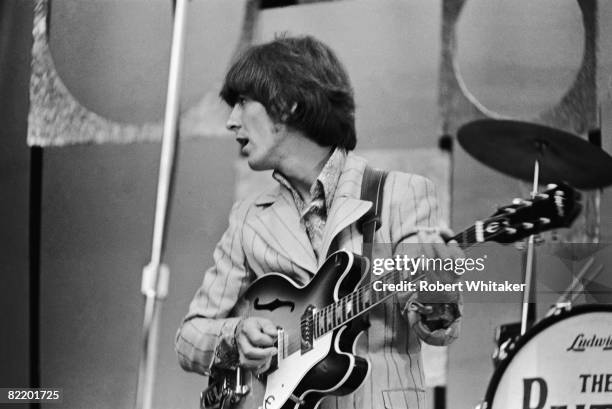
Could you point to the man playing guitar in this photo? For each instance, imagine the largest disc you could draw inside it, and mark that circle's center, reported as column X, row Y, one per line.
column 293, row 112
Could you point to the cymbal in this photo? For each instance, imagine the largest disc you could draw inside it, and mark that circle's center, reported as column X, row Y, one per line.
column 512, row 147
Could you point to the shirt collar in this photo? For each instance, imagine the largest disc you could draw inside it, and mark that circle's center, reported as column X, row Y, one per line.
column 327, row 179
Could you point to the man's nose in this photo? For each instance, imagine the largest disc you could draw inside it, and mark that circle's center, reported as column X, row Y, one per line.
column 233, row 122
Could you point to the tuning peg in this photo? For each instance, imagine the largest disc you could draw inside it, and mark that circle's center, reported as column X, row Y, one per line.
column 510, row 230
column 544, row 220
column 518, row 201
column 559, row 193
column 551, row 186
column 527, row 225
column 542, row 196
column 507, row 210
column 521, row 202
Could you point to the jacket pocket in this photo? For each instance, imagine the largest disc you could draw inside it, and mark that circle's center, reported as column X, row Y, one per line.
column 406, row 398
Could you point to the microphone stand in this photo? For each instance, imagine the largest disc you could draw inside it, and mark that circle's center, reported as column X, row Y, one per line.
column 155, row 275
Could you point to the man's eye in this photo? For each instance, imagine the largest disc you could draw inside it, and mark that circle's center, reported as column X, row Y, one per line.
column 241, row 100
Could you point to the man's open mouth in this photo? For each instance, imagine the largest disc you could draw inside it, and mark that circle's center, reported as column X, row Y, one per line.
column 242, row 141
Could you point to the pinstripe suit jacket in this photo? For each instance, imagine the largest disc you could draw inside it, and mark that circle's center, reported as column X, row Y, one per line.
column 265, row 235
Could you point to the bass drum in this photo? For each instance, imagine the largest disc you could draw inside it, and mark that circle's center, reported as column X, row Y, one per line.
column 565, row 361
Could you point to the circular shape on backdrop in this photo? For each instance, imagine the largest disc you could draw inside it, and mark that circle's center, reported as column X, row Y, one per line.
column 519, row 57
column 113, row 56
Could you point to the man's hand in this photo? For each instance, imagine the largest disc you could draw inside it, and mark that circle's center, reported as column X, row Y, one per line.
column 434, row 245
column 438, row 310
column 255, row 338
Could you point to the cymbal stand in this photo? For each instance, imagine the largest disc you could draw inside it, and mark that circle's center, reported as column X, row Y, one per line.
column 528, row 307
column 576, row 287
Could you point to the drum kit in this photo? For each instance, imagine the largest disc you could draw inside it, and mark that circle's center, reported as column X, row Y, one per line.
column 565, row 359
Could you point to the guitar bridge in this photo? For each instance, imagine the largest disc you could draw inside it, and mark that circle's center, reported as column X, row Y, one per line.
column 307, row 329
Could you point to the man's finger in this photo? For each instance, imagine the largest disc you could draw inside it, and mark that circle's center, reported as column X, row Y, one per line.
column 260, row 354
column 446, row 233
column 258, row 338
column 250, row 363
column 263, row 368
column 268, row 328
column 253, row 352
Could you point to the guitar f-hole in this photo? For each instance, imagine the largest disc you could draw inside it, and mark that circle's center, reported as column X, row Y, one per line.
column 273, row 305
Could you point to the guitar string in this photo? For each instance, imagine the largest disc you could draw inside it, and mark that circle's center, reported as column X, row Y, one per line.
column 465, row 238
column 294, row 340
column 323, row 311
column 328, row 314
column 295, row 343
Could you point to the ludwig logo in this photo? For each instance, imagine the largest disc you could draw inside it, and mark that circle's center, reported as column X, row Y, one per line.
column 582, row 342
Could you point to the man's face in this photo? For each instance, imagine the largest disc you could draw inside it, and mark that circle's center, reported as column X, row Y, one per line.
column 257, row 134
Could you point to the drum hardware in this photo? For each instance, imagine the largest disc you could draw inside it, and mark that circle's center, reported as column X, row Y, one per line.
column 481, row 405
column 506, row 336
column 541, row 154
column 576, row 287
column 537, row 239
column 529, row 307
column 512, row 147
column 562, row 362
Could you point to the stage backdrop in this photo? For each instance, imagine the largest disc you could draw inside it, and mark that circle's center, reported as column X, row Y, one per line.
column 111, row 58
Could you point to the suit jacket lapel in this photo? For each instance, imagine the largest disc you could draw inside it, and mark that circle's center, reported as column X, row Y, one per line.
column 279, row 226
column 347, row 206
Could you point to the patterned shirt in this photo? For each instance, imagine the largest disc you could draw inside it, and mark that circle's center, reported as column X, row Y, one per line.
column 314, row 213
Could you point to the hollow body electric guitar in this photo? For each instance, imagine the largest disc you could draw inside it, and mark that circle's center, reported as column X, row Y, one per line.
column 317, row 326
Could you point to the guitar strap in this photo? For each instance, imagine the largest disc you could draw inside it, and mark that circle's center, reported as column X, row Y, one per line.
column 372, row 187
column 217, row 395
column 372, row 191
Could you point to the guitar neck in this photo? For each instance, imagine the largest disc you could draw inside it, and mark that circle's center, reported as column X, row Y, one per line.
column 365, row 298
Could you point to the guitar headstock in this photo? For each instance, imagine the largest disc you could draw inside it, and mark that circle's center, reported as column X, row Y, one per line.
column 556, row 207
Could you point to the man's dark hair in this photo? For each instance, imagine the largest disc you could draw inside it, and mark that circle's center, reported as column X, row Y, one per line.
column 301, row 83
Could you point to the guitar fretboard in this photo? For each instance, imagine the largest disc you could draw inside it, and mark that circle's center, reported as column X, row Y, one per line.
column 365, row 297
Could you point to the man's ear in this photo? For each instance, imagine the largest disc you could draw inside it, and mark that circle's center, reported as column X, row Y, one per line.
column 286, row 115
column 280, row 126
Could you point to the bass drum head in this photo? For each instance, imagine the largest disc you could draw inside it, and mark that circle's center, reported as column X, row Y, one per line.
column 563, row 361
